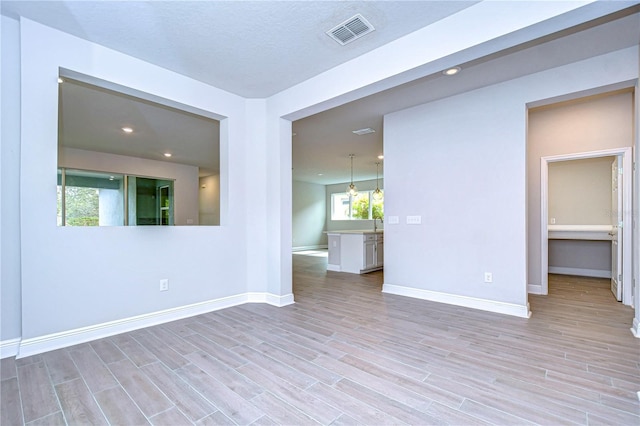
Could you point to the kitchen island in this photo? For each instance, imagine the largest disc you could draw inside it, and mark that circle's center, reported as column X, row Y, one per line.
column 355, row 252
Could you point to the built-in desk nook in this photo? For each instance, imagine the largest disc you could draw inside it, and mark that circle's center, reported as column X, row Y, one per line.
column 580, row 232
column 583, row 250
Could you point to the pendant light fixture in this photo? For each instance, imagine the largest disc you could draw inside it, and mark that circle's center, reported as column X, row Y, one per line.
column 377, row 194
column 351, row 189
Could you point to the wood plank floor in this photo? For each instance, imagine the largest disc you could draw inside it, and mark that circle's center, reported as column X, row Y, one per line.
column 345, row 353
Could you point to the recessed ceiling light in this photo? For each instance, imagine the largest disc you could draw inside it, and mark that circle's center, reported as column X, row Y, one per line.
column 167, row 154
column 364, row 131
column 452, row 71
column 127, row 129
column 60, row 80
column 380, row 157
column 319, row 174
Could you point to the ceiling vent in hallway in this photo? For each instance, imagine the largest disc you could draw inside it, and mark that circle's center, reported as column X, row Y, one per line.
column 350, row 30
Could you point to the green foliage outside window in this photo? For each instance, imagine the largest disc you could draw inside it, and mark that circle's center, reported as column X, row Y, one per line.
column 82, row 206
column 360, row 207
column 363, row 207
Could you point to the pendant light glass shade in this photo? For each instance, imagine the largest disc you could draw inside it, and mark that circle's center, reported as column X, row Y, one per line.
column 377, row 194
column 352, row 190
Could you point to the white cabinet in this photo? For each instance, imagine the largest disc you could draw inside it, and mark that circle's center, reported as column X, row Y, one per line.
column 356, row 252
column 373, row 252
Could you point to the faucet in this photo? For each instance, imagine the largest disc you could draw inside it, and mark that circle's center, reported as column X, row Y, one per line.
column 375, row 224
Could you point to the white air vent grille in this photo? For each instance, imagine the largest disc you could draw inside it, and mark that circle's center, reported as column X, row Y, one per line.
column 350, row 30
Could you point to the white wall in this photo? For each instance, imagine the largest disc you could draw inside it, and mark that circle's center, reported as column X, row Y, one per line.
column 185, row 177
column 209, row 200
column 309, row 215
column 203, row 264
column 345, row 225
column 460, row 163
column 10, row 308
column 592, row 124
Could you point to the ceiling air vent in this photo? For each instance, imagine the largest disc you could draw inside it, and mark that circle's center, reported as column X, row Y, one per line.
column 350, row 30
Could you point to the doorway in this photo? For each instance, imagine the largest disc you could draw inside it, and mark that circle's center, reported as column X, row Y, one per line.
column 620, row 230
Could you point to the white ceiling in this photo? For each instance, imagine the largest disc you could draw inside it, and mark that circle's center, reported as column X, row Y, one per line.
column 258, row 48
column 251, row 48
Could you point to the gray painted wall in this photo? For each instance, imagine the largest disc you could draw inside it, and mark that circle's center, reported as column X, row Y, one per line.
column 10, row 293
column 201, row 263
column 309, row 215
column 461, row 164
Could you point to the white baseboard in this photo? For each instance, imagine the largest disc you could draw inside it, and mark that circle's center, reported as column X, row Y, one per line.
column 534, row 288
column 636, row 328
column 271, row 299
column 9, row 347
column 316, row 247
column 334, row 268
column 40, row 344
column 581, row 272
column 453, row 299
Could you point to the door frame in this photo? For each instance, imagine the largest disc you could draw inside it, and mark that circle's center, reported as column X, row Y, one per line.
column 626, row 235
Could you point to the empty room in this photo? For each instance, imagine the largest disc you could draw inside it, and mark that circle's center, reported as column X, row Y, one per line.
column 177, row 177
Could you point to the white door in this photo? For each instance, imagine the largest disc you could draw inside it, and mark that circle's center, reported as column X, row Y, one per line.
column 616, row 221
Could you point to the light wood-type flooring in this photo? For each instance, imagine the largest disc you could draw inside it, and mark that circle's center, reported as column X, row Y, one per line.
column 345, row 353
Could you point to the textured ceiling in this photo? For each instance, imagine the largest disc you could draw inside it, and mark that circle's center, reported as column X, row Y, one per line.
column 251, row 48
column 258, row 48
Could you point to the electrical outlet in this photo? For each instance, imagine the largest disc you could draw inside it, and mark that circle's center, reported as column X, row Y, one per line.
column 414, row 220
column 488, row 277
column 553, row 220
column 164, row 284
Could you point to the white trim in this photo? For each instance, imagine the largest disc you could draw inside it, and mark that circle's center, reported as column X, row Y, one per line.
column 465, row 301
column 581, row 272
column 271, row 299
column 636, row 328
column 334, row 268
column 534, row 288
column 49, row 342
column 626, row 235
column 316, row 247
column 9, row 347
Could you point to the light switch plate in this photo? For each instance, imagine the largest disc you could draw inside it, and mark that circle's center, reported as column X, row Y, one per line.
column 393, row 220
column 414, row 220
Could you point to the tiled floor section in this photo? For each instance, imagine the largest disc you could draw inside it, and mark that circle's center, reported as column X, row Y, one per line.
column 347, row 354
